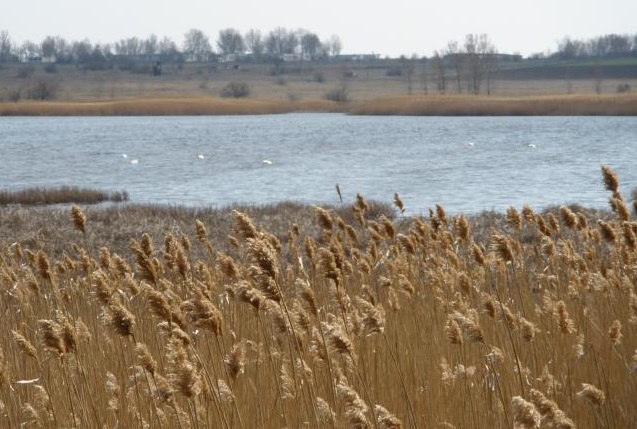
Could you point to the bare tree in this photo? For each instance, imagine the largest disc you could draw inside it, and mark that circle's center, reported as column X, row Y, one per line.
column 455, row 56
column 439, row 70
column 281, row 41
column 334, row 45
column 150, row 46
column 6, row 46
column 254, row 43
column 230, row 42
column 197, row 45
column 310, row 45
column 479, row 60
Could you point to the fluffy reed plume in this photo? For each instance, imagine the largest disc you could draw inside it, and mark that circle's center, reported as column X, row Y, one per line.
column 568, row 217
column 44, row 266
column 405, row 285
column 630, row 238
column 615, row 332
column 355, row 408
column 50, row 337
column 145, row 358
column 114, row 391
column 227, row 266
column 592, row 394
column 542, row 226
column 202, row 313
column 632, row 305
column 525, row 415
column 328, row 265
column 243, row 225
column 24, row 345
column 120, row 319
column 407, row 243
column 470, row 329
column 618, row 205
column 528, row 214
column 501, row 246
column 478, row 254
column 454, row 333
column 463, row 230
column 528, row 329
column 147, row 268
column 611, row 182
column 513, row 218
column 338, row 339
column 373, row 317
column 338, row 192
column 79, row 218
column 398, row 202
column 264, row 256
column 4, row 369
column 608, row 234
column 308, row 300
column 324, row 218
column 30, row 416
column 325, row 414
column 200, row 230
column 386, row 420
column 182, row 373
column 565, row 323
column 551, row 414
column 235, row 360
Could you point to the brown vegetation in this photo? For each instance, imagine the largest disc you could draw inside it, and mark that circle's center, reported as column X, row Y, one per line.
column 61, row 195
column 194, row 89
column 336, row 317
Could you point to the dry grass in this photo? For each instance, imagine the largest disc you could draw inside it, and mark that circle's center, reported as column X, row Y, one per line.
column 194, row 90
column 544, row 105
column 161, row 107
column 61, row 195
column 348, row 317
column 452, row 105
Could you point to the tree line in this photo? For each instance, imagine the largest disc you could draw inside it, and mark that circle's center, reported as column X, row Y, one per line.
column 196, row 46
column 606, row 46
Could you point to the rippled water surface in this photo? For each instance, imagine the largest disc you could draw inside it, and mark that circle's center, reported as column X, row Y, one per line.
column 464, row 164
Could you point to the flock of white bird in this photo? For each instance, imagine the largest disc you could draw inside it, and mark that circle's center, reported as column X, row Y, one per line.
column 201, row 157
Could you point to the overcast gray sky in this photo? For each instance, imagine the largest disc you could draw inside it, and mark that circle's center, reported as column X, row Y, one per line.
column 389, row 27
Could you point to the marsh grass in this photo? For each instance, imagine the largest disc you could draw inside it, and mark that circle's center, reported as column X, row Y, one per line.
column 61, row 195
column 321, row 317
column 415, row 105
column 165, row 106
column 544, row 105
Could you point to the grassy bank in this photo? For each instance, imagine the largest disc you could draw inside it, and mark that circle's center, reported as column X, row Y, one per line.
column 545, row 105
column 195, row 105
column 335, row 317
column 452, row 105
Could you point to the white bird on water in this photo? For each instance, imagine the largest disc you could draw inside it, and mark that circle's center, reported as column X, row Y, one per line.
column 124, row 156
column 531, row 146
column 201, row 156
column 267, row 161
column 134, row 161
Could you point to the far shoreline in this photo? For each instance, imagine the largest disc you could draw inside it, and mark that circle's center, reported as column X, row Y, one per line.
column 404, row 105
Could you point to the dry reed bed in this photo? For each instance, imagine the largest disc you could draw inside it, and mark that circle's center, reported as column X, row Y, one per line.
column 187, row 106
column 64, row 194
column 543, row 105
column 362, row 322
column 416, row 105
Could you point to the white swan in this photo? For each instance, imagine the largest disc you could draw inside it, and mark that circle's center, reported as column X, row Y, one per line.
column 201, row 156
column 267, row 161
column 134, row 161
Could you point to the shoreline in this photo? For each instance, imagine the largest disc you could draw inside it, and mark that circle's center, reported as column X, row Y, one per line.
column 407, row 105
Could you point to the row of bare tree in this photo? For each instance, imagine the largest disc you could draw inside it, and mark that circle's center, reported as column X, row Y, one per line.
column 196, row 46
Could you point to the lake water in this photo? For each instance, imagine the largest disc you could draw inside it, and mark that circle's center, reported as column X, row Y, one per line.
column 465, row 164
